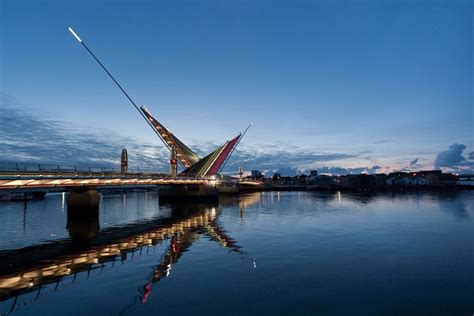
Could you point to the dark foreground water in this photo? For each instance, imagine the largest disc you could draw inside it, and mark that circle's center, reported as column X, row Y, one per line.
column 271, row 253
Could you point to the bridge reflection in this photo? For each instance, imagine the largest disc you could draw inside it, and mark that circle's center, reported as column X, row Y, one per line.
column 27, row 270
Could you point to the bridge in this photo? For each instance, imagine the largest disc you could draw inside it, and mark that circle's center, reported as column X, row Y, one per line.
column 83, row 185
column 199, row 176
column 200, row 172
column 73, row 180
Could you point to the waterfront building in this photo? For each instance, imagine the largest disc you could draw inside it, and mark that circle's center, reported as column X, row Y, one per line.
column 256, row 174
column 391, row 181
column 413, row 181
column 466, row 180
column 380, row 179
column 322, row 181
column 447, row 179
column 361, row 181
column 432, row 176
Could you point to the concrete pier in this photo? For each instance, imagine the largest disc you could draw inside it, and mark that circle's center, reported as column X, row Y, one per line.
column 80, row 199
column 83, row 215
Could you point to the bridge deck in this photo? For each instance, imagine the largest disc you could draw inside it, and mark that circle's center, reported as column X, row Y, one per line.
column 55, row 180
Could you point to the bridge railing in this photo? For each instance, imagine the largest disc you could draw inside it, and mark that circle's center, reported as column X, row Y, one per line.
column 60, row 168
column 11, row 166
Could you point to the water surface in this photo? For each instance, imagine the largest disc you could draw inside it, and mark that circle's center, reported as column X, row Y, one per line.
column 279, row 253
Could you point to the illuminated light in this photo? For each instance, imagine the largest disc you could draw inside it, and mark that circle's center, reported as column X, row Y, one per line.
column 63, row 200
column 75, row 35
column 51, row 267
column 79, row 260
column 31, row 274
column 48, row 273
column 8, row 282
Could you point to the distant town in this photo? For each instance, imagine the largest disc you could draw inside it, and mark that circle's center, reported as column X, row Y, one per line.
column 433, row 179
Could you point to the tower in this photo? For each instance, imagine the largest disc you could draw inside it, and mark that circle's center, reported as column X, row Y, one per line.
column 124, row 161
column 241, row 173
column 173, row 162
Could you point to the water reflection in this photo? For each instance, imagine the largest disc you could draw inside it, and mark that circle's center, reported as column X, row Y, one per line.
column 29, row 269
column 243, row 201
column 308, row 246
column 83, row 223
column 457, row 203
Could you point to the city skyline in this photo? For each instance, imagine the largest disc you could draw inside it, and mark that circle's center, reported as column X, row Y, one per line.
column 338, row 88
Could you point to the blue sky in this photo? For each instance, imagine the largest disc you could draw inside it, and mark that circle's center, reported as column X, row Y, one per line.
column 328, row 84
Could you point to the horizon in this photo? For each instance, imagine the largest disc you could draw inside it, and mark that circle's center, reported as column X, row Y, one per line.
column 405, row 72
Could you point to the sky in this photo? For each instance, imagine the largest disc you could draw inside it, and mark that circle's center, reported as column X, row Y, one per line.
column 338, row 86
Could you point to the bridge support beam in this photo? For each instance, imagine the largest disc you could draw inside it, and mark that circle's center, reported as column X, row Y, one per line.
column 188, row 193
column 83, row 214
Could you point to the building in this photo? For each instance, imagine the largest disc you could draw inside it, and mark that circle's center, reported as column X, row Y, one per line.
column 394, row 178
column 322, row 181
column 466, row 180
column 431, row 175
column 407, row 179
column 256, row 174
column 413, row 181
column 448, row 179
column 380, row 179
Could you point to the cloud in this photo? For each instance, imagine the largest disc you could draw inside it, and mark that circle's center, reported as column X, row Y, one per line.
column 33, row 139
column 288, row 171
column 292, row 171
column 26, row 138
column 382, row 141
column 452, row 159
column 344, row 171
column 272, row 158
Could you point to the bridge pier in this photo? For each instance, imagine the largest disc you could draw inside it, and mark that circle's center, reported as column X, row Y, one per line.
column 83, row 214
column 83, row 199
